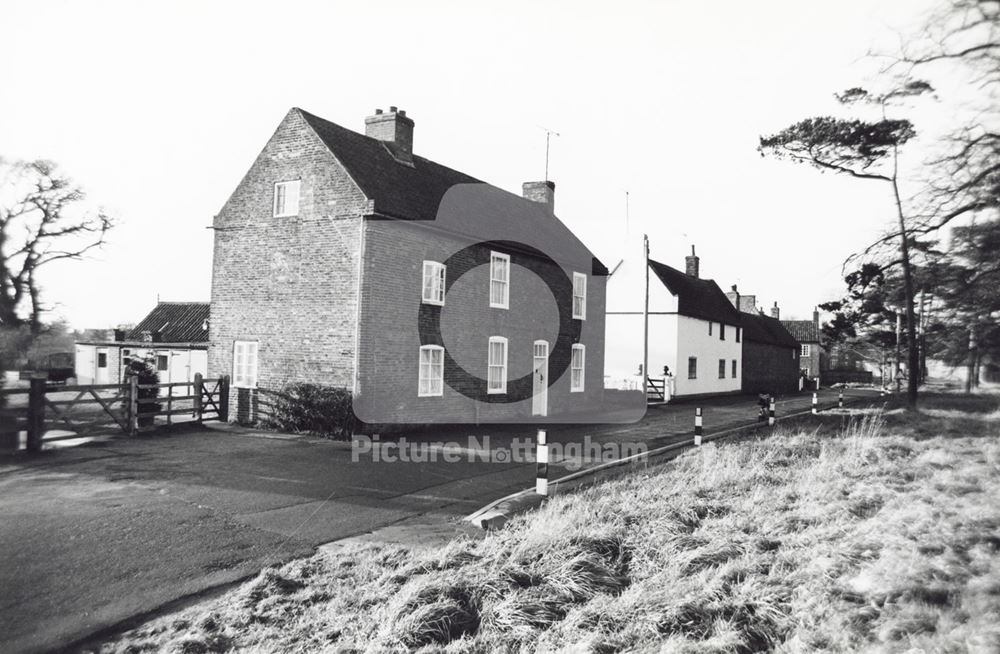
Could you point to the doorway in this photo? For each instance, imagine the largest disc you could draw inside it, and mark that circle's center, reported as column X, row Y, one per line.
column 540, row 385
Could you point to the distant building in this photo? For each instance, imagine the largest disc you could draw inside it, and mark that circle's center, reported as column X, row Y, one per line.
column 174, row 336
column 694, row 332
column 807, row 333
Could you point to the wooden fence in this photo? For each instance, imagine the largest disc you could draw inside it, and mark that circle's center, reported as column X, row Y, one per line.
column 131, row 408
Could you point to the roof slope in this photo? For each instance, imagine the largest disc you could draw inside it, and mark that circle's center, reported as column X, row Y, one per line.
column 174, row 322
column 473, row 207
column 764, row 329
column 804, row 331
column 401, row 191
column 696, row 297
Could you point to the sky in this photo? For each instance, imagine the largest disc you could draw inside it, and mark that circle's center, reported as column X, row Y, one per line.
column 158, row 110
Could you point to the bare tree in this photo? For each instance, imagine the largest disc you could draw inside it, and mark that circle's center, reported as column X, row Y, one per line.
column 43, row 218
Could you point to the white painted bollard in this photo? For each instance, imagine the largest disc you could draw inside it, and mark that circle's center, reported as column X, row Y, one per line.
column 840, row 400
column 770, row 413
column 697, row 426
column 542, row 467
column 815, row 401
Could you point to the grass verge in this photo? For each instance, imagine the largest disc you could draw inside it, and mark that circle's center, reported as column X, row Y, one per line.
column 877, row 533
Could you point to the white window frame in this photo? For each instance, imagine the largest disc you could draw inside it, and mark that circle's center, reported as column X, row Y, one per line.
column 501, row 367
column 435, row 272
column 580, row 291
column 500, row 256
column 281, row 192
column 429, row 366
column 245, row 365
column 806, row 350
column 576, row 385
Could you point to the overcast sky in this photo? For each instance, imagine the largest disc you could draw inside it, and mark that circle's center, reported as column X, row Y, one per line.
column 159, row 110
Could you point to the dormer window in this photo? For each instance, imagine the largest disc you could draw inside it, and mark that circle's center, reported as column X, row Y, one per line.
column 286, row 199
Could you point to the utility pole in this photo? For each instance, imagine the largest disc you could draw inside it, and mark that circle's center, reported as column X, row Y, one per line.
column 645, row 320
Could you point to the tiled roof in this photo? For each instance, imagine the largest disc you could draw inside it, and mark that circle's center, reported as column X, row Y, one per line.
column 174, row 322
column 415, row 192
column 399, row 190
column 696, row 297
column 764, row 329
column 804, row 331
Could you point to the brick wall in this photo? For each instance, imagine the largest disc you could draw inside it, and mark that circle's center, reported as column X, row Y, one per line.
column 289, row 283
column 393, row 318
column 769, row 368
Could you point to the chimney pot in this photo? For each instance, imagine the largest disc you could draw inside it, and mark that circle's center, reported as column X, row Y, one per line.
column 776, row 312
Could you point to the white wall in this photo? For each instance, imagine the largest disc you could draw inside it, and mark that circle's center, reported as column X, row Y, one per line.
column 694, row 340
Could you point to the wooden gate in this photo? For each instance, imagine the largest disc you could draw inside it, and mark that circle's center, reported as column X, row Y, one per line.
column 55, row 413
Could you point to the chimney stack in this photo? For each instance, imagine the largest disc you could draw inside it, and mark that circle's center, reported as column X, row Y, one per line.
column 691, row 264
column 816, row 318
column 743, row 303
column 776, row 312
column 541, row 192
column 395, row 129
column 734, row 297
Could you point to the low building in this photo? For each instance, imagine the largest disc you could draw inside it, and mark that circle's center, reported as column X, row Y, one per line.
column 694, row 339
column 174, row 336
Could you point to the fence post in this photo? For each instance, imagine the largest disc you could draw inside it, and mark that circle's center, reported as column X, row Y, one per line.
column 770, row 413
column 815, row 408
column 697, row 426
column 133, row 404
column 542, row 467
column 199, row 387
column 224, row 398
column 36, row 414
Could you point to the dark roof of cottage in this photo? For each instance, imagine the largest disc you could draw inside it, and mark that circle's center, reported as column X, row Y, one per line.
column 399, row 190
column 417, row 192
column 696, row 297
column 804, row 331
column 174, row 322
column 764, row 329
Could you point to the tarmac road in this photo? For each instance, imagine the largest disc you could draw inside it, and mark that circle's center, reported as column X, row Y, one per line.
column 96, row 535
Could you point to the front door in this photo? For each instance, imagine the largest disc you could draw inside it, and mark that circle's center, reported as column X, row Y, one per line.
column 540, row 388
column 101, row 375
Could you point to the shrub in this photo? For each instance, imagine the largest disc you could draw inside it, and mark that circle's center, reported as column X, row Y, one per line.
column 312, row 408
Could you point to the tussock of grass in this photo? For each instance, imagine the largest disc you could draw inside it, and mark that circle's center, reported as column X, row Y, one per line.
column 870, row 535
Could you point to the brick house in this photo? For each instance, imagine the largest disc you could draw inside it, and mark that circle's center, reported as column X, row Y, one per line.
column 770, row 352
column 344, row 259
column 173, row 334
column 694, row 332
column 808, row 334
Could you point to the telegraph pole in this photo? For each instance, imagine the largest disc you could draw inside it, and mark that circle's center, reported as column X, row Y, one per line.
column 645, row 320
